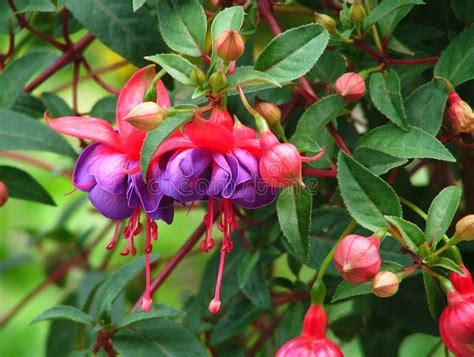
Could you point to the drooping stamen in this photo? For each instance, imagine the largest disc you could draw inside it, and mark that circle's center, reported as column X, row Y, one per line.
column 112, row 243
column 70, row 192
column 215, row 303
column 133, row 228
column 133, row 171
column 208, row 241
column 151, row 232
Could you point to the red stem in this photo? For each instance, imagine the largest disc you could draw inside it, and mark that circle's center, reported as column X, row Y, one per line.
column 66, row 58
column 75, row 80
column 319, row 173
column 66, row 36
column 395, row 62
column 99, row 80
column 266, row 334
column 337, row 138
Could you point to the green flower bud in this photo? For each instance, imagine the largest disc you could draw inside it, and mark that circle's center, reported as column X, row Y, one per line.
column 197, row 76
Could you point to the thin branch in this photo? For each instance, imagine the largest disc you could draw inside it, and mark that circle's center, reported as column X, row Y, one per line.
column 99, row 80
column 34, row 162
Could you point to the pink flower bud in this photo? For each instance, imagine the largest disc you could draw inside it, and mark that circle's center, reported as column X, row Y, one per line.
column 460, row 113
column 456, row 324
column 230, row 45
column 465, row 228
column 350, row 87
column 3, row 194
column 357, row 258
column 385, row 284
column 146, row 116
column 214, row 306
column 312, row 341
column 463, row 284
column 280, row 166
column 269, row 111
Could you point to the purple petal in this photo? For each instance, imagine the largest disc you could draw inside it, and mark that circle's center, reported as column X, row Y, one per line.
column 83, row 175
column 110, row 205
column 110, row 172
column 254, row 195
column 248, row 161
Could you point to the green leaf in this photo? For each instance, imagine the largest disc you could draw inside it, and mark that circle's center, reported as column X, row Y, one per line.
column 463, row 9
column 105, row 108
column 257, row 290
column 315, row 119
column 244, row 76
column 233, row 323
column 294, row 214
column 65, row 312
column 377, row 161
column 246, row 266
column 29, row 105
column 161, row 338
column 137, row 4
column 425, row 106
column 293, row 53
column 389, row 22
column 113, row 286
column 230, row 18
column 456, row 62
column 412, row 235
column 56, row 106
column 131, row 35
column 22, row 186
column 176, row 66
column 367, row 197
column 415, row 143
column 448, row 264
column 328, row 68
column 182, row 25
column 20, row 132
column 17, row 74
column 387, row 7
column 386, row 95
column 441, row 213
column 34, row 5
column 156, row 137
column 157, row 311
column 434, row 296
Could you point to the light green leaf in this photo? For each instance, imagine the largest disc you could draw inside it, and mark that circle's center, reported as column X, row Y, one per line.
column 56, row 106
column 294, row 214
column 456, row 62
column 137, row 4
column 20, row 132
column 435, row 297
column 386, row 95
column 160, row 338
column 105, row 108
column 316, row 117
column 412, row 235
column 131, row 35
column 157, row 311
column 183, row 25
column 425, row 106
column 377, row 161
column 156, row 137
column 441, row 213
column 387, row 7
column 367, row 197
column 18, row 73
column 22, row 186
column 230, row 18
column 415, row 143
column 245, row 76
column 293, row 53
column 448, row 264
column 34, row 5
column 176, row 66
column 65, row 312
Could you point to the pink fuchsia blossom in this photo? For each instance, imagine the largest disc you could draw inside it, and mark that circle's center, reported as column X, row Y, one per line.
column 350, row 86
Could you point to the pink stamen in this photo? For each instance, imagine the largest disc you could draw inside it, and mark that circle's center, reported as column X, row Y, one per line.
column 208, row 242
column 133, row 228
column 112, row 243
column 315, row 157
column 131, row 171
column 215, row 303
column 151, row 231
column 70, row 192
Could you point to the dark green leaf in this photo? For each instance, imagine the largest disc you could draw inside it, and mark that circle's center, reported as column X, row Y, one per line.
column 34, row 5
column 347, row 327
column 56, row 106
column 367, row 197
column 17, row 74
column 155, row 137
column 21, row 185
column 387, row 7
column 415, row 143
column 434, row 296
column 244, row 76
column 113, row 286
column 161, row 338
column 132, row 35
column 315, row 119
column 377, row 161
column 105, row 108
column 389, row 22
column 425, row 106
column 29, row 105
column 246, row 266
column 294, row 214
column 256, row 289
column 293, row 53
column 157, row 311
column 65, row 312
column 233, row 323
column 20, row 132
column 463, row 9
column 386, row 95
column 448, row 264
column 182, row 25
column 176, row 66
column 412, row 235
column 290, row 325
column 441, row 213
column 328, row 68
column 456, row 62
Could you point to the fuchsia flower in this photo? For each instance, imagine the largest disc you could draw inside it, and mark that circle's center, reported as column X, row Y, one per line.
column 281, row 164
column 357, row 258
column 312, row 342
column 456, row 324
column 215, row 161
column 109, row 169
column 350, row 86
